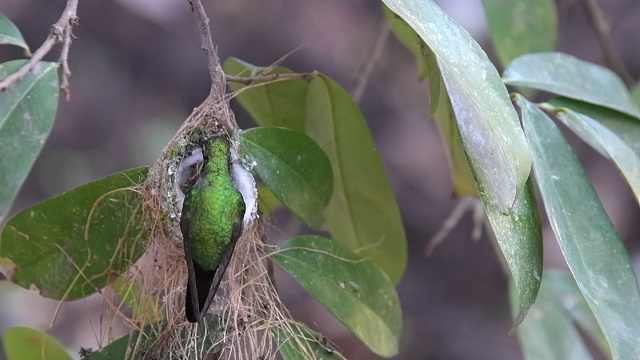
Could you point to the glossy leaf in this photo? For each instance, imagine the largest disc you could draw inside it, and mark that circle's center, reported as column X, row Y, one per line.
column 27, row 111
column 624, row 126
column 409, row 38
column 25, row 343
column 363, row 213
column 548, row 332
column 441, row 110
column 349, row 286
column 608, row 144
column 487, row 121
column 270, row 104
column 298, row 342
column 593, row 250
column 520, row 27
column 519, row 236
column 568, row 76
column 294, row 168
column 567, row 293
column 83, row 237
column 9, row 34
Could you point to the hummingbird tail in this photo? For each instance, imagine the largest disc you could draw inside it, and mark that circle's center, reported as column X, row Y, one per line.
column 196, row 305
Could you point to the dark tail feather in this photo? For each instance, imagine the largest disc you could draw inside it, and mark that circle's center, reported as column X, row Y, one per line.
column 196, row 306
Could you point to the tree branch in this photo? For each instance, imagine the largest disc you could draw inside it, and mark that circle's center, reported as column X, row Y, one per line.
column 603, row 33
column 213, row 62
column 361, row 78
column 60, row 32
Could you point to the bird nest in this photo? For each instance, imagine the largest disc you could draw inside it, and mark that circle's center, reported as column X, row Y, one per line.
column 242, row 321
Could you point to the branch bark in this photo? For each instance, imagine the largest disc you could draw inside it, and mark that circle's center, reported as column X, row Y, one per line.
column 60, row 33
column 603, row 33
column 213, row 61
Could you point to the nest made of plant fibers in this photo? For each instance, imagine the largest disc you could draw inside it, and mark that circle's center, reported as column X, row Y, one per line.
column 247, row 310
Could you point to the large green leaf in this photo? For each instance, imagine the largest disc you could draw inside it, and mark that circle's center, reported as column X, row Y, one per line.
column 9, row 34
column 519, row 235
column 409, row 38
column 27, row 111
column 588, row 240
column 568, row 76
column 440, row 105
column 25, row 343
column 520, row 27
column 70, row 245
column 278, row 103
column 626, row 127
column 441, row 110
column 608, row 144
column 298, row 342
column 349, row 286
column 363, row 213
column 294, row 168
column 487, row 121
column 567, row 293
column 548, row 332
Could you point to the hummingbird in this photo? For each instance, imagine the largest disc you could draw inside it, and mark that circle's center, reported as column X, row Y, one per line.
column 211, row 224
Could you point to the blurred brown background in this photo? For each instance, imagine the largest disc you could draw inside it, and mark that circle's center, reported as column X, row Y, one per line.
column 138, row 71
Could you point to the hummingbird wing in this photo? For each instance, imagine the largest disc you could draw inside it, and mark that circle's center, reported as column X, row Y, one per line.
column 202, row 284
column 218, row 274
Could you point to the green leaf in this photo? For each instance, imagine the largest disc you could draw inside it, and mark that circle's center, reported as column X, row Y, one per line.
column 520, row 27
column 363, row 213
column 126, row 347
column 409, row 38
column 607, row 143
column 593, row 250
column 626, row 127
column 463, row 182
column 349, row 286
column 9, row 34
column 25, row 343
column 270, row 103
column 27, row 111
column 298, row 342
column 635, row 94
column 70, row 245
column 487, row 121
column 519, row 236
column 294, row 168
column 568, row 76
column 548, row 332
column 567, row 294
column 144, row 308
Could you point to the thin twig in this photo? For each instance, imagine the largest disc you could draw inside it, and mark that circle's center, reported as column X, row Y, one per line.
column 268, row 78
column 64, row 58
column 60, row 32
column 362, row 76
column 464, row 204
column 213, row 62
column 603, row 33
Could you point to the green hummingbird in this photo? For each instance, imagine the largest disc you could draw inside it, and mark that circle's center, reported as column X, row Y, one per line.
column 211, row 223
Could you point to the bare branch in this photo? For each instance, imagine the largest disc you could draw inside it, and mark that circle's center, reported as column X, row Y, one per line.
column 464, row 204
column 362, row 76
column 60, row 32
column 213, row 62
column 603, row 33
column 268, row 78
